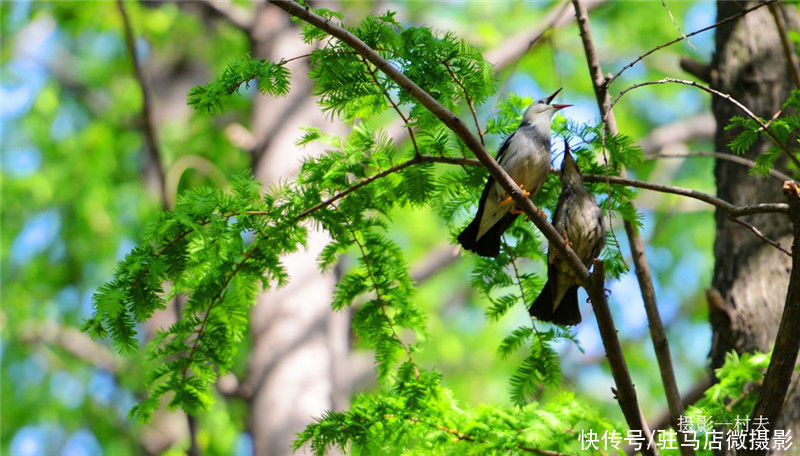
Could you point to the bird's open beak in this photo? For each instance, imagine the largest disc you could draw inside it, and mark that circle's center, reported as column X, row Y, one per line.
column 550, row 98
column 557, row 106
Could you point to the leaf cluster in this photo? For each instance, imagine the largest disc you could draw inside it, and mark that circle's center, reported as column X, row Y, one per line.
column 782, row 131
column 733, row 396
column 417, row 415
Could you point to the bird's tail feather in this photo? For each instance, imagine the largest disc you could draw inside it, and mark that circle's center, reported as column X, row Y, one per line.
column 489, row 244
column 567, row 313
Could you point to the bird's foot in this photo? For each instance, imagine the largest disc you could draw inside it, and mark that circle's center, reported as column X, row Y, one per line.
column 508, row 199
column 555, row 253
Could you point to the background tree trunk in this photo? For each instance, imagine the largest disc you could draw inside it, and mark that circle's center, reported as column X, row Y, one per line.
column 751, row 276
column 300, row 346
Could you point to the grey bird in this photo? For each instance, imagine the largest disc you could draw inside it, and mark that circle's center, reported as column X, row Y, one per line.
column 579, row 220
column 525, row 156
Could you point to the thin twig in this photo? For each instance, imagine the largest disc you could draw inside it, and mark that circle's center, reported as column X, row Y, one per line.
column 760, row 235
column 516, row 273
column 725, row 96
column 386, row 172
column 731, row 209
column 788, row 50
column 217, row 298
column 675, row 23
column 676, row 40
column 371, row 276
column 150, row 134
column 291, row 59
column 467, row 438
column 394, row 105
column 469, row 101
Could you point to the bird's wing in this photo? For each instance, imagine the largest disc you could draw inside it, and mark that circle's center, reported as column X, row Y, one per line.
column 503, row 148
column 489, row 211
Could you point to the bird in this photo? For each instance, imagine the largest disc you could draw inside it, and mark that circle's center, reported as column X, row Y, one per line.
column 579, row 219
column 525, row 156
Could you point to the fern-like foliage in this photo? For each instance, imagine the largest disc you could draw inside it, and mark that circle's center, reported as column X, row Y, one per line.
column 782, row 132
column 419, row 416
column 733, row 397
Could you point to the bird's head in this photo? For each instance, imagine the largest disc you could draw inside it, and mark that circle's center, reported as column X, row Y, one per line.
column 570, row 173
column 542, row 109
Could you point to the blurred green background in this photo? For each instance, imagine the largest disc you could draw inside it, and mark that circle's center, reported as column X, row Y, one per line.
column 77, row 190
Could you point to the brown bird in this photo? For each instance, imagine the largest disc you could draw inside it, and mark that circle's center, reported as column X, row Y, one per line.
column 580, row 221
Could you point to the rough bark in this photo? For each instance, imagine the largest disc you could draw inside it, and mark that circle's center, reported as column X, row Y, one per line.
column 751, row 276
column 300, row 346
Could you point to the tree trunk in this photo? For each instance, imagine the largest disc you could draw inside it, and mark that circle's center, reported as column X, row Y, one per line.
column 750, row 276
column 300, row 346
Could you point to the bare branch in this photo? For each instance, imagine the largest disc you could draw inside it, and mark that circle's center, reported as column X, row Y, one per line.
column 700, row 70
column 676, row 40
column 435, row 262
column 77, row 344
column 760, row 235
column 724, row 96
column 235, row 15
column 150, row 134
column 469, row 101
column 514, row 48
column 675, row 23
column 788, row 50
column 732, row 209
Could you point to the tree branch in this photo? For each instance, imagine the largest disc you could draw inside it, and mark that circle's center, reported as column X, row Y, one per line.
column 701, row 71
column 514, row 48
column 435, row 262
column 77, row 344
column 724, row 96
column 150, row 134
column 788, row 51
column 732, row 209
column 760, row 235
column 608, row 82
column 469, row 101
column 643, row 275
column 396, row 108
column 787, row 342
column 236, row 16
